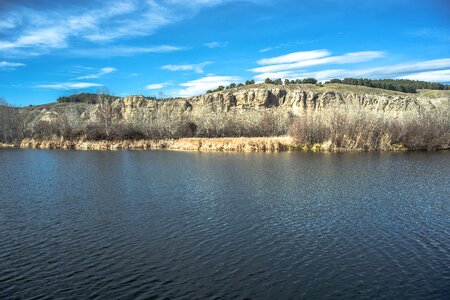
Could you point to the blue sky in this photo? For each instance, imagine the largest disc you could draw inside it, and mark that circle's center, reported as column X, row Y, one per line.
column 182, row 48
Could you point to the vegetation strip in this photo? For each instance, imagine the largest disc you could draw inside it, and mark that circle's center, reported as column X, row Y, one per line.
column 261, row 117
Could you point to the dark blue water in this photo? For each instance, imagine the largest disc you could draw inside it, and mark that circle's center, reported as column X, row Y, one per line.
column 146, row 225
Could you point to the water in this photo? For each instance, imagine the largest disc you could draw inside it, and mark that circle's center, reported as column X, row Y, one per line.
column 211, row 225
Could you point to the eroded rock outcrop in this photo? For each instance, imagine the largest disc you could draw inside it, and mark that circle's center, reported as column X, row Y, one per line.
column 290, row 99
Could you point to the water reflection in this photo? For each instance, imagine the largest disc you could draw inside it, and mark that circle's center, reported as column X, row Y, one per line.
column 203, row 225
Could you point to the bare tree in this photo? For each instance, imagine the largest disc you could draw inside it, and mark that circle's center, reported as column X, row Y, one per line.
column 9, row 122
column 106, row 115
column 70, row 123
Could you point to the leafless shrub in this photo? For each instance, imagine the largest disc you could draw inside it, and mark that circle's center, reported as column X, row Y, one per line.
column 368, row 130
column 236, row 123
column 106, row 114
column 45, row 129
column 11, row 128
column 70, row 124
column 429, row 130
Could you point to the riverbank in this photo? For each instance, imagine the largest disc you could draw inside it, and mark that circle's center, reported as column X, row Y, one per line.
column 241, row 144
column 238, row 144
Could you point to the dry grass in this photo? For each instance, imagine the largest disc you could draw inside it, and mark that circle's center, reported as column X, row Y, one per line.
column 268, row 144
column 364, row 130
column 344, row 88
column 434, row 93
column 7, row 146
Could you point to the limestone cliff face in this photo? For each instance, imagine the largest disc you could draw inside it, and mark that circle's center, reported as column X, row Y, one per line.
column 290, row 99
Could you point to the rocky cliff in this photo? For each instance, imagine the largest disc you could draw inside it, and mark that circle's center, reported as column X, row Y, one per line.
column 289, row 99
column 336, row 116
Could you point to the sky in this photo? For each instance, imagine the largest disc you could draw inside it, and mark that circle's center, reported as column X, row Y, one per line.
column 182, row 48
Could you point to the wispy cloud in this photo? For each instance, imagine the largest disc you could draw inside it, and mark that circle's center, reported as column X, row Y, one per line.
column 322, row 75
column 400, row 69
column 213, row 45
column 430, row 70
column 283, row 75
column 9, row 23
column 263, row 50
column 122, row 51
column 157, row 86
column 199, row 86
column 102, row 72
column 42, row 38
column 68, row 85
column 294, row 57
column 50, row 29
column 288, row 44
column 434, row 76
column 42, row 29
column 10, row 65
column 353, row 57
column 187, row 67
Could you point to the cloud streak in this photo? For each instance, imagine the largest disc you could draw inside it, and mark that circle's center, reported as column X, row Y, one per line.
column 187, row 67
column 10, row 65
column 157, row 86
column 102, row 72
column 117, row 51
column 213, row 45
column 430, row 70
column 349, row 58
column 43, row 29
column 294, row 57
column 297, row 65
column 199, row 86
column 434, row 76
column 68, row 85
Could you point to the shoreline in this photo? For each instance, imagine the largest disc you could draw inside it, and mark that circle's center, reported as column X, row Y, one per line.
column 228, row 144
column 241, row 144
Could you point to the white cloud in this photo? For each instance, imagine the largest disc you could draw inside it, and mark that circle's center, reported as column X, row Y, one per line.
column 43, row 28
column 187, row 67
column 8, row 23
column 10, row 65
column 51, row 29
column 68, row 85
column 323, row 75
column 213, row 45
column 197, row 4
column 294, row 57
column 123, row 51
column 288, row 44
column 430, row 70
column 266, row 49
column 199, row 86
column 262, row 76
column 389, row 71
column 42, row 38
column 353, row 57
column 434, row 76
column 127, row 18
column 293, row 65
column 401, row 69
column 157, row 86
column 102, row 72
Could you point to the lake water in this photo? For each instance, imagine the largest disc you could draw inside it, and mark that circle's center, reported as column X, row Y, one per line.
column 155, row 224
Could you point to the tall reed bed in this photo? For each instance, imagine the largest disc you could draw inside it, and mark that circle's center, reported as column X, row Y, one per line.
column 363, row 129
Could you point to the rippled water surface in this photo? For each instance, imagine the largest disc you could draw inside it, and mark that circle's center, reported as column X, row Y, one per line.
column 205, row 225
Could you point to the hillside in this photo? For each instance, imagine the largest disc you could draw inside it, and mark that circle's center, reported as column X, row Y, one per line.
column 251, row 111
column 290, row 98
